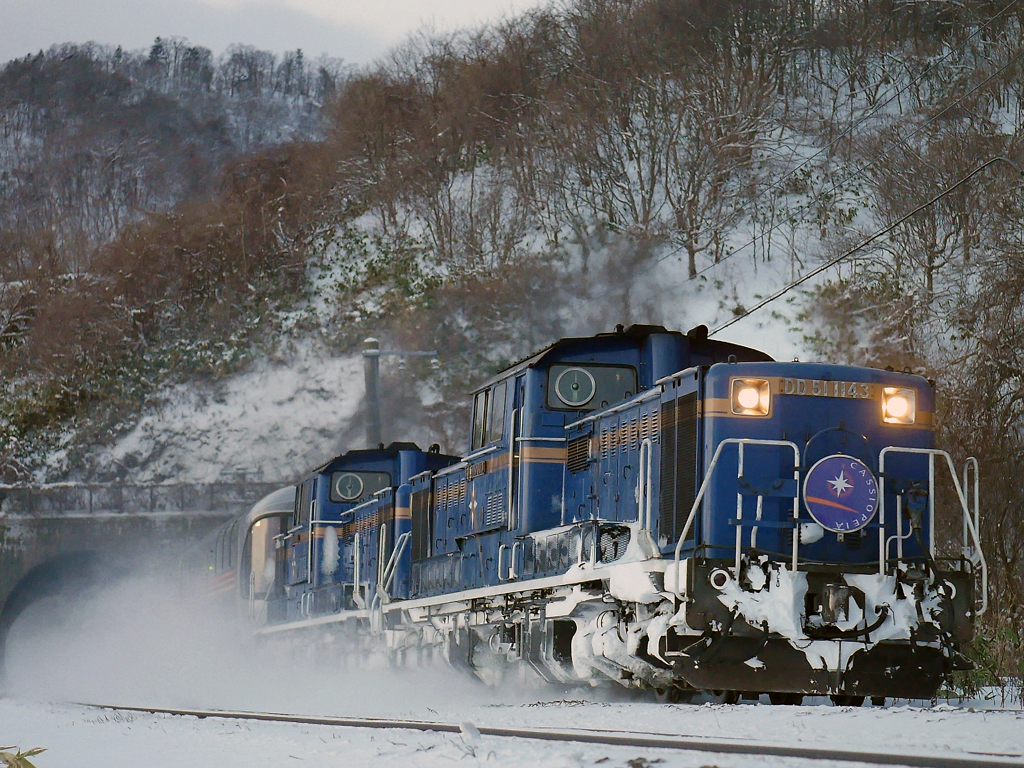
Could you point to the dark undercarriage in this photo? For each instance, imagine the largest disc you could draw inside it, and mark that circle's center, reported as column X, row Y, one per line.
column 889, row 669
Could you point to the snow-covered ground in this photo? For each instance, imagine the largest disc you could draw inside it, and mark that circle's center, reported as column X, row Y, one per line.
column 79, row 736
column 142, row 643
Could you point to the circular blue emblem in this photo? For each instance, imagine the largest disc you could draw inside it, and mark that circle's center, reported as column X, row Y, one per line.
column 841, row 494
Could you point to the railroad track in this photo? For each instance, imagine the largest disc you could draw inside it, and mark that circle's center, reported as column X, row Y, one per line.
column 611, row 738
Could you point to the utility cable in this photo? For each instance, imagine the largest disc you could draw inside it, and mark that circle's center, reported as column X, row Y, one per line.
column 867, row 241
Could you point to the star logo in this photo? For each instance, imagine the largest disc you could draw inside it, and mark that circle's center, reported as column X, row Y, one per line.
column 841, row 494
column 840, row 484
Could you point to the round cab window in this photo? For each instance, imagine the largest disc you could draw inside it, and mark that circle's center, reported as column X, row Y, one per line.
column 587, row 387
column 575, row 387
column 348, row 486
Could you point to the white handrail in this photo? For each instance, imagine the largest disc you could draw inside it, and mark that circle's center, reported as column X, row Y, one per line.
column 511, row 469
column 388, row 574
column 969, row 520
column 970, row 463
column 512, row 562
column 480, row 452
column 312, row 539
column 644, row 512
column 635, row 400
column 356, row 587
column 382, row 539
column 501, row 548
column 707, row 479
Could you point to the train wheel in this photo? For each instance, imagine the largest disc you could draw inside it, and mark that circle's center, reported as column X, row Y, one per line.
column 878, row 701
column 844, row 700
column 724, row 697
column 672, row 695
column 790, row 699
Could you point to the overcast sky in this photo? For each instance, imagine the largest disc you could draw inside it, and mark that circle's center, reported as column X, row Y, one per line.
column 349, row 29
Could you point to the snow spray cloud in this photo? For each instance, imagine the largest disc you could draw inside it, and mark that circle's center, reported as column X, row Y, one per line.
column 141, row 641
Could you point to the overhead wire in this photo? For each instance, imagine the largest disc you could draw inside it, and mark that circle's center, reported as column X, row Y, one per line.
column 864, row 167
column 867, row 241
column 888, row 228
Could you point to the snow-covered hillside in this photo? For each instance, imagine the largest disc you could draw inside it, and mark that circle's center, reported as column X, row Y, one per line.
column 273, row 421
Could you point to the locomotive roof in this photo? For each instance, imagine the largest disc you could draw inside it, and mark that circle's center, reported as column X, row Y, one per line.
column 697, row 337
column 370, row 453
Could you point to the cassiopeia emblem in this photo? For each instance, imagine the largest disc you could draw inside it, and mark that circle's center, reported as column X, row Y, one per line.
column 841, row 494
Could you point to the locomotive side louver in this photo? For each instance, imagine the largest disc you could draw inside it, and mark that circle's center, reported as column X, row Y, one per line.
column 578, row 453
column 494, row 513
column 421, row 525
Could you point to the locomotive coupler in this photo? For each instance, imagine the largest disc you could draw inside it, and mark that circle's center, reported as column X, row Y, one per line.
column 835, row 603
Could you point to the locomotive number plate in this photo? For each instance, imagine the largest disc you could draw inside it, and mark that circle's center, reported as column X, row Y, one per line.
column 855, row 390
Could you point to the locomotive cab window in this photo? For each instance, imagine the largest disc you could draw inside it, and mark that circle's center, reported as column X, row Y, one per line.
column 302, row 501
column 348, row 487
column 496, row 417
column 589, row 387
column 489, row 415
column 479, row 420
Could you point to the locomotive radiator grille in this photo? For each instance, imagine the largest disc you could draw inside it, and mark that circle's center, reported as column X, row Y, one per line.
column 612, row 543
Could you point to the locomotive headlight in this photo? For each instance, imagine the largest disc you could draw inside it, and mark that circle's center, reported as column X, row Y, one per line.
column 899, row 405
column 751, row 397
column 748, row 397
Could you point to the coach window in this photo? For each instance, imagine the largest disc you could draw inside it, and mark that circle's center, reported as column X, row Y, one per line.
column 479, row 420
column 496, row 420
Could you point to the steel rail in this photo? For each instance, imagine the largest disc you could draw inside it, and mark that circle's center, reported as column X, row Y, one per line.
column 610, row 738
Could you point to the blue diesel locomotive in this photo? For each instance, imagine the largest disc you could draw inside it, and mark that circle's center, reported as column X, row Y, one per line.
column 658, row 509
